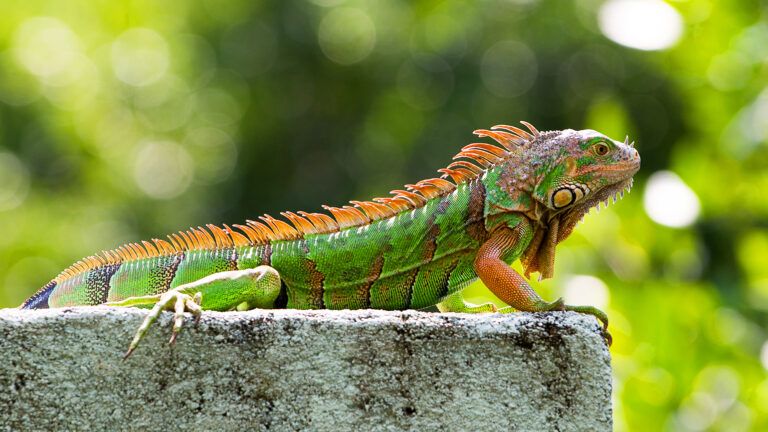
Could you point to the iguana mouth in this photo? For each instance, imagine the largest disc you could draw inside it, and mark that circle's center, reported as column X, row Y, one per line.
column 605, row 196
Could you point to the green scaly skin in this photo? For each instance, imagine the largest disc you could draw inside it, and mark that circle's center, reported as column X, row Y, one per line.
column 532, row 189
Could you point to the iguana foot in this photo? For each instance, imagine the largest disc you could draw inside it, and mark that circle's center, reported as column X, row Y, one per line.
column 597, row 313
column 559, row 305
column 174, row 300
column 589, row 310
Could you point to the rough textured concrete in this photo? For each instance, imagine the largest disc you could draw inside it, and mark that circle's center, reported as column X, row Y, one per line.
column 292, row 370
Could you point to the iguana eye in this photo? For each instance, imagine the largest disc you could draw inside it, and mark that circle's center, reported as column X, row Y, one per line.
column 601, row 149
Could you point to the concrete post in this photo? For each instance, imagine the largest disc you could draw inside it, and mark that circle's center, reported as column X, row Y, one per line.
column 304, row 370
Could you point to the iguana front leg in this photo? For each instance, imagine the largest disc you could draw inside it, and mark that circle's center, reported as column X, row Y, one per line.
column 239, row 289
column 509, row 286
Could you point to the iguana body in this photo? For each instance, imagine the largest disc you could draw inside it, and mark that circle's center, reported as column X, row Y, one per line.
column 417, row 249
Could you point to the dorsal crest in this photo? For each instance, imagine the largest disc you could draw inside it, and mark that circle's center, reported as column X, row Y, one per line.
column 471, row 162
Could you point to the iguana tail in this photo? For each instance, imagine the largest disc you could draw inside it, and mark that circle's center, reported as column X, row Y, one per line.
column 40, row 299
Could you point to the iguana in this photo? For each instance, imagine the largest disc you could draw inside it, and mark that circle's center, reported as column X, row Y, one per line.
column 496, row 203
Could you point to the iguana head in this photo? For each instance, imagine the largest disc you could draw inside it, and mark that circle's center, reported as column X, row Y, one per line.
column 555, row 178
column 580, row 169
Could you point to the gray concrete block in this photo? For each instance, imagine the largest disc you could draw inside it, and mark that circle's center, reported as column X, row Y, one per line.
column 304, row 370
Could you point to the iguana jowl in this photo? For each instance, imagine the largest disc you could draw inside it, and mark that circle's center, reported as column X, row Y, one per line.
column 515, row 199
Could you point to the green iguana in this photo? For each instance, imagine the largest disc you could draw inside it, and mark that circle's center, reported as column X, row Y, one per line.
column 414, row 250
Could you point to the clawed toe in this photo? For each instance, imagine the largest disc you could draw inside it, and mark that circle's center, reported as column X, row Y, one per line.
column 177, row 301
column 608, row 338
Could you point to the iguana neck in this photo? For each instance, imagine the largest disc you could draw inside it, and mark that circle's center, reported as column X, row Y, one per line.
column 511, row 188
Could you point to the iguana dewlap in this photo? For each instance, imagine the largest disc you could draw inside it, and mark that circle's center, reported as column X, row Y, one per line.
column 516, row 199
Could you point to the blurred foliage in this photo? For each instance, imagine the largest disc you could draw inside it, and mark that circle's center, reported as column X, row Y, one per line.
column 128, row 120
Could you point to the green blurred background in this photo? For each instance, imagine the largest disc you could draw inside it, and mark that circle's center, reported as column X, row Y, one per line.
column 127, row 120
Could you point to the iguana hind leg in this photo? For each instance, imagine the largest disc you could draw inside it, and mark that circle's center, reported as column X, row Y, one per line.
column 231, row 290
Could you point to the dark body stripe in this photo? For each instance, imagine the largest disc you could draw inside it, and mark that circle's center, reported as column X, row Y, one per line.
column 475, row 220
column 304, row 283
column 97, row 283
column 316, row 279
column 375, row 274
column 146, row 276
column 422, row 290
column 39, row 300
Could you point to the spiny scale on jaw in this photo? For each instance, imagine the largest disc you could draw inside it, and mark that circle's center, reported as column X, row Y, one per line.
column 617, row 195
column 470, row 163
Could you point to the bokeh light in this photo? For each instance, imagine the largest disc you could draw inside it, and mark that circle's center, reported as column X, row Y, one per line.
column 764, row 355
column 47, row 48
column 347, row 35
column 753, row 124
column 508, row 68
column 140, row 57
column 216, row 151
column 586, row 290
column 669, row 201
column 14, row 181
column 729, row 71
column 425, row 82
column 163, row 169
column 641, row 24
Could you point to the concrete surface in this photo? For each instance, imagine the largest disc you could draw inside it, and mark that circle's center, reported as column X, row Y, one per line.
column 304, row 370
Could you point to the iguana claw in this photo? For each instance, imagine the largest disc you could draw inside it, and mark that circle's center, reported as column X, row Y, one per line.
column 597, row 313
column 177, row 301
